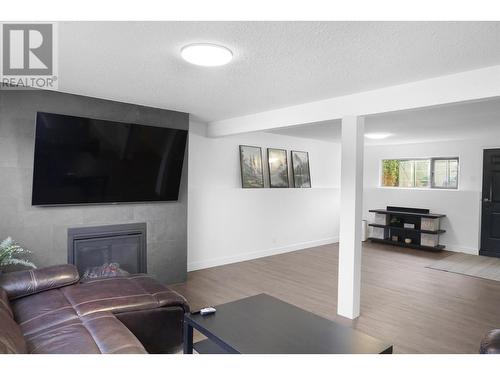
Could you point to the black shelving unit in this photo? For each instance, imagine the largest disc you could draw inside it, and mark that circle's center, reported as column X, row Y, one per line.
column 397, row 217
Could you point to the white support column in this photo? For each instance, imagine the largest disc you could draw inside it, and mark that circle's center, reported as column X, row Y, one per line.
column 351, row 203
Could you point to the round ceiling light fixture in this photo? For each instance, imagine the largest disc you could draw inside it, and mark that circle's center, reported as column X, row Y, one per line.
column 206, row 54
column 377, row 135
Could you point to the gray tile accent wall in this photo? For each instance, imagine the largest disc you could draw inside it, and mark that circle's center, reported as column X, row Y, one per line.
column 44, row 229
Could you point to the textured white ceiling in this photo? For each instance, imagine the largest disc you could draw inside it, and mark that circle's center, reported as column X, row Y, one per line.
column 276, row 64
column 455, row 121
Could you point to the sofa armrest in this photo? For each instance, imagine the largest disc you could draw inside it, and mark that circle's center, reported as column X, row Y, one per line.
column 4, row 303
column 24, row 283
column 490, row 344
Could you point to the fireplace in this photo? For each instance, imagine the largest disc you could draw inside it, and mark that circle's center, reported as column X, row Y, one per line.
column 124, row 244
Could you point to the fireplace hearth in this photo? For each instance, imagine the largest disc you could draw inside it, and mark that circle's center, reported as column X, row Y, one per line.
column 124, row 244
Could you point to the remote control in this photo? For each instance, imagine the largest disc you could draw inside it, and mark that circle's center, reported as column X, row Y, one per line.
column 207, row 310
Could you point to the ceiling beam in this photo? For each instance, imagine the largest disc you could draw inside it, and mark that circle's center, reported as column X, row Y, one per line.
column 471, row 85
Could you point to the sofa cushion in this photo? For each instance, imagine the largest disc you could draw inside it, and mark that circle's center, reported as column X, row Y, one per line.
column 121, row 294
column 43, row 310
column 111, row 335
column 50, row 324
column 11, row 337
column 165, row 297
column 100, row 333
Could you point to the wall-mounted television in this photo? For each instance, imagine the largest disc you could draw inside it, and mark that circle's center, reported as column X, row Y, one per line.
column 89, row 161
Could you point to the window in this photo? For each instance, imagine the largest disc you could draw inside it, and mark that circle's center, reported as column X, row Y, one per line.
column 436, row 173
column 445, row 173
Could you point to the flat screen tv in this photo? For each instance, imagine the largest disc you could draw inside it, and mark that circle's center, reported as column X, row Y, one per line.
column 87, row 161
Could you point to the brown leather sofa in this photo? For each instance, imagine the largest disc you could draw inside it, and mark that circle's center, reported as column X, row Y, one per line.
column 49, row 311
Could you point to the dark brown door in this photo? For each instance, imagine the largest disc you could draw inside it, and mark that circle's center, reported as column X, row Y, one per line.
column 490, row 218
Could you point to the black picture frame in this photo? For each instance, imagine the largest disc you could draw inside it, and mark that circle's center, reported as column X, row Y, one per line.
column 274, row 181
column 297, row 176
column 250, row 178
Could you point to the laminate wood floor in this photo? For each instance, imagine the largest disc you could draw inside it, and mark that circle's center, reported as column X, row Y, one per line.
column 418, row 309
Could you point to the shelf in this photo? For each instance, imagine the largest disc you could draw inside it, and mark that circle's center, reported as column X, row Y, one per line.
column 403, row 244
column 439, row 231
column 208, row 347
column 404, row 213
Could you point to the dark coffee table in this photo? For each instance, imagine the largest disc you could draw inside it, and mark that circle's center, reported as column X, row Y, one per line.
column 266, row 325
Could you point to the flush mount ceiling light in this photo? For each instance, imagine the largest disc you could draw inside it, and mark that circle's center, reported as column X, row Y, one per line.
column 377, row 135
column 205, row 54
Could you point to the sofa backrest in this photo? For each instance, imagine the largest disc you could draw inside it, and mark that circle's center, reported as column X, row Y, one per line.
column 11, row 337
column 24, row 283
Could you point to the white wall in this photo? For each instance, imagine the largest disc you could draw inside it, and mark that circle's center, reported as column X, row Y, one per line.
column 462, row 206
column 228, row 224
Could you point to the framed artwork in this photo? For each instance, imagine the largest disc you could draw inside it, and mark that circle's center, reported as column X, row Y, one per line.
column 300, row 169
column 251, row 167
column 278, row 168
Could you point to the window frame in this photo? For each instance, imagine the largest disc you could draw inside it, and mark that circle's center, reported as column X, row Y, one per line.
column 431, row 184
column 429, row 171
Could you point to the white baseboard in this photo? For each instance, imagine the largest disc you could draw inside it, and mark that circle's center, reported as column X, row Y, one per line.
column 193, row 266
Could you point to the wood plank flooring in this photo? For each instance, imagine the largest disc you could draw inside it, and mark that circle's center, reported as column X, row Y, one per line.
column 419, row 310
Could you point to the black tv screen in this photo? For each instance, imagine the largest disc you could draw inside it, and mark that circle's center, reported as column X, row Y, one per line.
column 84, row 161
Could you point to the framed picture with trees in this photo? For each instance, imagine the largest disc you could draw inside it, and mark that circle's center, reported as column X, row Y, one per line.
column 278, row 168
column 300, row 169
column 252, row 175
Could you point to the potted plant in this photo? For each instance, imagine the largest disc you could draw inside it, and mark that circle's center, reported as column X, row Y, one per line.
column 13, row 254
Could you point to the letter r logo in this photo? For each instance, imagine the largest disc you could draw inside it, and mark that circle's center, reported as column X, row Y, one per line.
column 27, row 49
